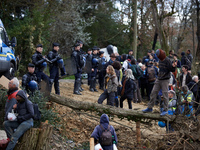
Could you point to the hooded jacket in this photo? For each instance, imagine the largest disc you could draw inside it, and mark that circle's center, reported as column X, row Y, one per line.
column 24, row 108
column 96, row 134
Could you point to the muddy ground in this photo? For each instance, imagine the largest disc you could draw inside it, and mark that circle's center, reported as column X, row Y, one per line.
column 78, row 126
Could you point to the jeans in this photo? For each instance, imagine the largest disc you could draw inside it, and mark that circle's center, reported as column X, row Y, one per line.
column 20, row 130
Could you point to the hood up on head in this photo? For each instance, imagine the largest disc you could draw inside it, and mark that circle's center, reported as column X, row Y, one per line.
column 104, row 121
column 22, row 94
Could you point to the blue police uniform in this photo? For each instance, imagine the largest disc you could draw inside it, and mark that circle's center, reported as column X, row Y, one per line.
column 77, row 56
column 38, row 60
column 53, row 56
column 94, row 73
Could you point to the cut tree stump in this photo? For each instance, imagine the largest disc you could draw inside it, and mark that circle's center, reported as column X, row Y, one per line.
column 36, row 138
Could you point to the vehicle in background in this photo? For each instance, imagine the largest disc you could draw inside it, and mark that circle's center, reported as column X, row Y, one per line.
column 8, row 61
column 108, row 51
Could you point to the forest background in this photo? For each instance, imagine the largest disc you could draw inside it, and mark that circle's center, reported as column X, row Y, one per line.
column 166, row 24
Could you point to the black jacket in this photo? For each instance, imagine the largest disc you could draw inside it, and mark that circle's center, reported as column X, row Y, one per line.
column 37, row 60
column 77, row 56
column 165, row 67
column 26, row 79
column 24, row 108
column 53, row 56
column 95, row 65
column 129, row 88
column 188, row 79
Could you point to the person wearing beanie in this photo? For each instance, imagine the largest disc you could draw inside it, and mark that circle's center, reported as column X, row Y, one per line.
column 24, row 121
column 162, row 82
column 29, row 76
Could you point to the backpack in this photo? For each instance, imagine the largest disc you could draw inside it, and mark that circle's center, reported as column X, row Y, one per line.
column 37, row 112
column 106, row 137
column 151, row 74
column 137, row 71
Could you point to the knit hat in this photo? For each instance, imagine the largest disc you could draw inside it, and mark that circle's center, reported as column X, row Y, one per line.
column 160, row 54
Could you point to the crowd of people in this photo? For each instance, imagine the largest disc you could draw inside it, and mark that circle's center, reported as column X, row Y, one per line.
column 156, row 78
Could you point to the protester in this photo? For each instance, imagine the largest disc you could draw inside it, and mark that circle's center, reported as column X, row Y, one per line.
column 143, row 82
column 162, row 82
column 24, row 109
column 185, row 77
column 128, row 88
column 137, row 73
column 187, row 99
column 183, row 59
column 111, row 84
column 189, row 59
column 99, row 129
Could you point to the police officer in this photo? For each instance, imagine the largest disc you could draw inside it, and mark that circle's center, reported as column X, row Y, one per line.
column 29, row 80
column 54, row 57
column 77, row 56
column 94, row 68
column 89, row 58
column 40, row 63
column 102, row 63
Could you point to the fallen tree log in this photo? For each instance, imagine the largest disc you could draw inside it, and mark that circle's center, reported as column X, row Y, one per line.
column 120, row 112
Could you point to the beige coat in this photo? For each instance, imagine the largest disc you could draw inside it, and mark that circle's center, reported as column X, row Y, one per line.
column 111, row 84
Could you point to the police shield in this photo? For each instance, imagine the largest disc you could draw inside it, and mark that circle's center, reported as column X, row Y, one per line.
column 88, row 65
column 70, row 66
column 45, row 88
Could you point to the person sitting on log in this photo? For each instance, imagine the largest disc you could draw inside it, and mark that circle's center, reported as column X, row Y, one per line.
column 187, row 99
column 23, row 122
column 13, row 86
column 111, row 84
column 100, row 130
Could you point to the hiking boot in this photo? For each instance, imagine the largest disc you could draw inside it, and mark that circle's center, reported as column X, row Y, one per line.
column 81, row 89
column 95, row 90
column 164, row 113
column 91, row 89
column 147, row 110
column 77, row 93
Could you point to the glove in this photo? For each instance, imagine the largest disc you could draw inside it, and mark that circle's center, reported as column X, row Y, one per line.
column 58, row 57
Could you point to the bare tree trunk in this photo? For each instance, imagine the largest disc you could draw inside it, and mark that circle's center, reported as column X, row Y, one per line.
column 138, row 133
column 121, row 113
column 135, row 28
column 198, row 35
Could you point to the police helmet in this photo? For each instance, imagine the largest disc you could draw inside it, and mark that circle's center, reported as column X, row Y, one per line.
column 33, row 85
column 161, row 124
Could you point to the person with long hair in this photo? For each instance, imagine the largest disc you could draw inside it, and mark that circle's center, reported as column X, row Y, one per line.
column 111, row 84
column 128, row 88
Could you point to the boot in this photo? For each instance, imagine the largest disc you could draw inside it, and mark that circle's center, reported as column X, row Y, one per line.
column 76, row 87
column 94, row 86
column 81, row 89
column 57, row 89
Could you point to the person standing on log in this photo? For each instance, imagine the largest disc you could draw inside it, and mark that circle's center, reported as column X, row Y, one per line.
column 162, row 82
column 24, row 109
column 111, row 84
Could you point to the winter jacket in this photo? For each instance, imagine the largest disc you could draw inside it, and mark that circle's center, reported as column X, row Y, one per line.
column 53, row 56
column 10, row 102
column 165, row 67
column 111, row 84
column 26, row 79
column 24, row 108
column 129, row 88
column 188, row 79
column 37, row 60
column 96, row 134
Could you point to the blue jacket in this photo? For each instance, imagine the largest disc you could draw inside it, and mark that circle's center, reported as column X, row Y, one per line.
column 96, row 134
column 24, row 108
